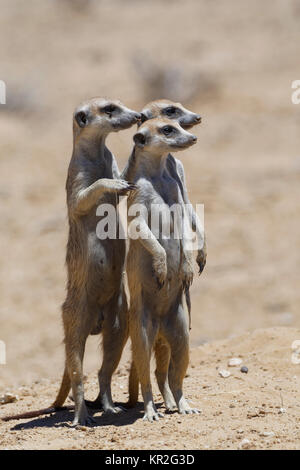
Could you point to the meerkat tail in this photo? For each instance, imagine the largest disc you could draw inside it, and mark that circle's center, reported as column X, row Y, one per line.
column 36, row 413
column 56, row 406
column 63, row 391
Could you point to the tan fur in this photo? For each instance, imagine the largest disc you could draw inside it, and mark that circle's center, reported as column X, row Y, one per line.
column 157, row 271
column 187, row 119
column 95, row 300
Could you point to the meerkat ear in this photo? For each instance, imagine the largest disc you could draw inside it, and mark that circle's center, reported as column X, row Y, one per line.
column 81, row 118
column 139, row 139
column 145, row 115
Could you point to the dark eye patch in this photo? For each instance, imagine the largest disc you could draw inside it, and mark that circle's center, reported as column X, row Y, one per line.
column 109, row 109
column 170, row 111
column 168, row 130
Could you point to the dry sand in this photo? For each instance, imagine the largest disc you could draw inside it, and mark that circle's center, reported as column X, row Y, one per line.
column 238, row 59
column 261, row 407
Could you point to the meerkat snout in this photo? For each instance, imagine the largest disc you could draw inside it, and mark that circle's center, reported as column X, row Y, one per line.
column 137, row 117
column 189, row 119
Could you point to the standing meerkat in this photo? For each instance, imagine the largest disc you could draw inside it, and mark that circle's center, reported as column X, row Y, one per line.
column 187, row 119
column 157, row 268
column 96, row 300
column 95, row 292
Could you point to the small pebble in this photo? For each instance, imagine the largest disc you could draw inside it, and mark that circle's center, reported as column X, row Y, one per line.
column 245, row 444
column 8, row 398
column 82, row 428
column 244, row 369
column 224, row 373
column 234, row 361
column 282, row 410
column 267, row 434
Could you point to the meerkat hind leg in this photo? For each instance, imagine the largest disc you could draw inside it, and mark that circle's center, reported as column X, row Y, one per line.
column 162, row 355
column 115, row 335
column 178, row 328
column 142, row 337
column 75, row 339
column 81, row 415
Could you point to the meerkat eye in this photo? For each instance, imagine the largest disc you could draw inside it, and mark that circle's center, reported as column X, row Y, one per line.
column 167, row 130
column 109, row 109
column 170, row 111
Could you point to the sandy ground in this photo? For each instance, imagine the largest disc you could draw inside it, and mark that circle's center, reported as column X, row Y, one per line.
column 257, row 410
column 234, row 63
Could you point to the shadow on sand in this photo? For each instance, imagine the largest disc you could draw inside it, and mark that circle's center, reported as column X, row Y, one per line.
column 64, row 418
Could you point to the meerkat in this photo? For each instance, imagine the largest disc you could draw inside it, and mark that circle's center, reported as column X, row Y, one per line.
column 158, row 268
column 96, row 299
column 95, row 293
column 187, row 119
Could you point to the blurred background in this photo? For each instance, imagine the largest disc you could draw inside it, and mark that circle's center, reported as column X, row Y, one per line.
column 233, row 62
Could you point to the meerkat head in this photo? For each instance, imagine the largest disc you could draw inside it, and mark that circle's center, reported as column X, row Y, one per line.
column 159, row 136
column 103, row 115
column 170, row 110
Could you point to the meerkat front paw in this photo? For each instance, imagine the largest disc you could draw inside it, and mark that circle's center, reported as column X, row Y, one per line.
column 201, row 260
column 160, row 270
column 122, row 186
column 187, row 275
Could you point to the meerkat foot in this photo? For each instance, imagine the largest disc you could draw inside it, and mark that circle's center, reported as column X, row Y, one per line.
column 185, row 409
column 83, row 420
column 190, row 411
column 170, row 405
column 153, row 416
column 114, row 409
column 151, row 413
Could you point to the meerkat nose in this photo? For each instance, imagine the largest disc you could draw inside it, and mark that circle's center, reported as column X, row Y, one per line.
column 198, row 118
column 194, row 138
column 138, row 116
